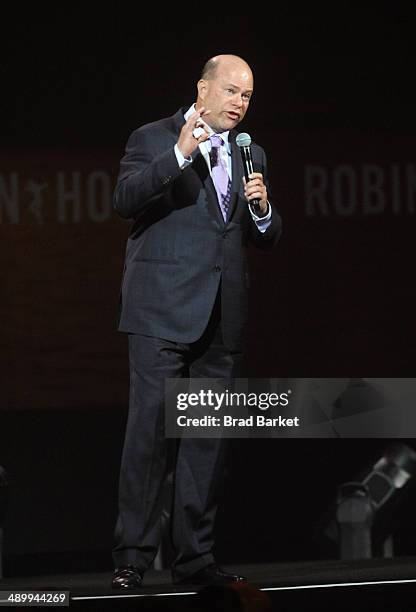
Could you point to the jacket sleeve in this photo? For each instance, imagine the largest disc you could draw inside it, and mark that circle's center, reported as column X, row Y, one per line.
column 269, row 238
column 146, row 171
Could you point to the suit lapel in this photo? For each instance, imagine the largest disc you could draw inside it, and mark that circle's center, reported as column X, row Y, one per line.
column 178, row 120
column 201, row 168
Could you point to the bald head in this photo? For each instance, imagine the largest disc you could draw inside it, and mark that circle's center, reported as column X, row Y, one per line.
column 226, row 61
column 225, row 89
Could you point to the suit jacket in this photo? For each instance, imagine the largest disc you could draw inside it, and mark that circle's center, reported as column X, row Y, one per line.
column 180, row 250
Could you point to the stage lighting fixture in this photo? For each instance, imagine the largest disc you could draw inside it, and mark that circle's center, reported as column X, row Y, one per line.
column 362, row 520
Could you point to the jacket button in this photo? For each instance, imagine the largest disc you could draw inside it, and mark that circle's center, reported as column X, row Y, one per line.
column 217, row 268
column 225, row 234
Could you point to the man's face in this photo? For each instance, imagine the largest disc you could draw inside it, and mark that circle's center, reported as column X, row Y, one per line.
column 227, row 95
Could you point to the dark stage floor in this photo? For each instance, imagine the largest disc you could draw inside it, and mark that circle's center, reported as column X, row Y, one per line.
column 378, row 584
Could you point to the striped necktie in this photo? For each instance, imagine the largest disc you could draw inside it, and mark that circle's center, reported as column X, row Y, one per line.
column 220, row 175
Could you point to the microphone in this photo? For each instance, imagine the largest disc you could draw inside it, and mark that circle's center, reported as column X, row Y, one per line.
column 243, row 141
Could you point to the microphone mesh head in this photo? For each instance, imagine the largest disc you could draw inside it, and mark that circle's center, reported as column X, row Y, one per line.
column 243, row 140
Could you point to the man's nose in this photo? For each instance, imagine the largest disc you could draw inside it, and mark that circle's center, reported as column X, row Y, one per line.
column 238, row 100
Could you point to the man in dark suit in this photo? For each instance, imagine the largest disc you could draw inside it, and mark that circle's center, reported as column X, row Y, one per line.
column 184, row 306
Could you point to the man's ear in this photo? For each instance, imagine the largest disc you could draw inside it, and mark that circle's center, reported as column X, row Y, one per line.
column 202, row 86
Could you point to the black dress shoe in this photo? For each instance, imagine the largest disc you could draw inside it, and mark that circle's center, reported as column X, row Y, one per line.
column 126, row 577
column 211, row 574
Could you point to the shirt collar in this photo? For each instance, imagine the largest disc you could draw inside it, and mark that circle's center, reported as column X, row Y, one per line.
column 224, row 135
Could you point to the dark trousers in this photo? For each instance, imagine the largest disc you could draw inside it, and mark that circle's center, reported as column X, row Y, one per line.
column 197, row 462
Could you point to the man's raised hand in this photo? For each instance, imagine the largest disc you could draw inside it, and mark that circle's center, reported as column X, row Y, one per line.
column 188, row 141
